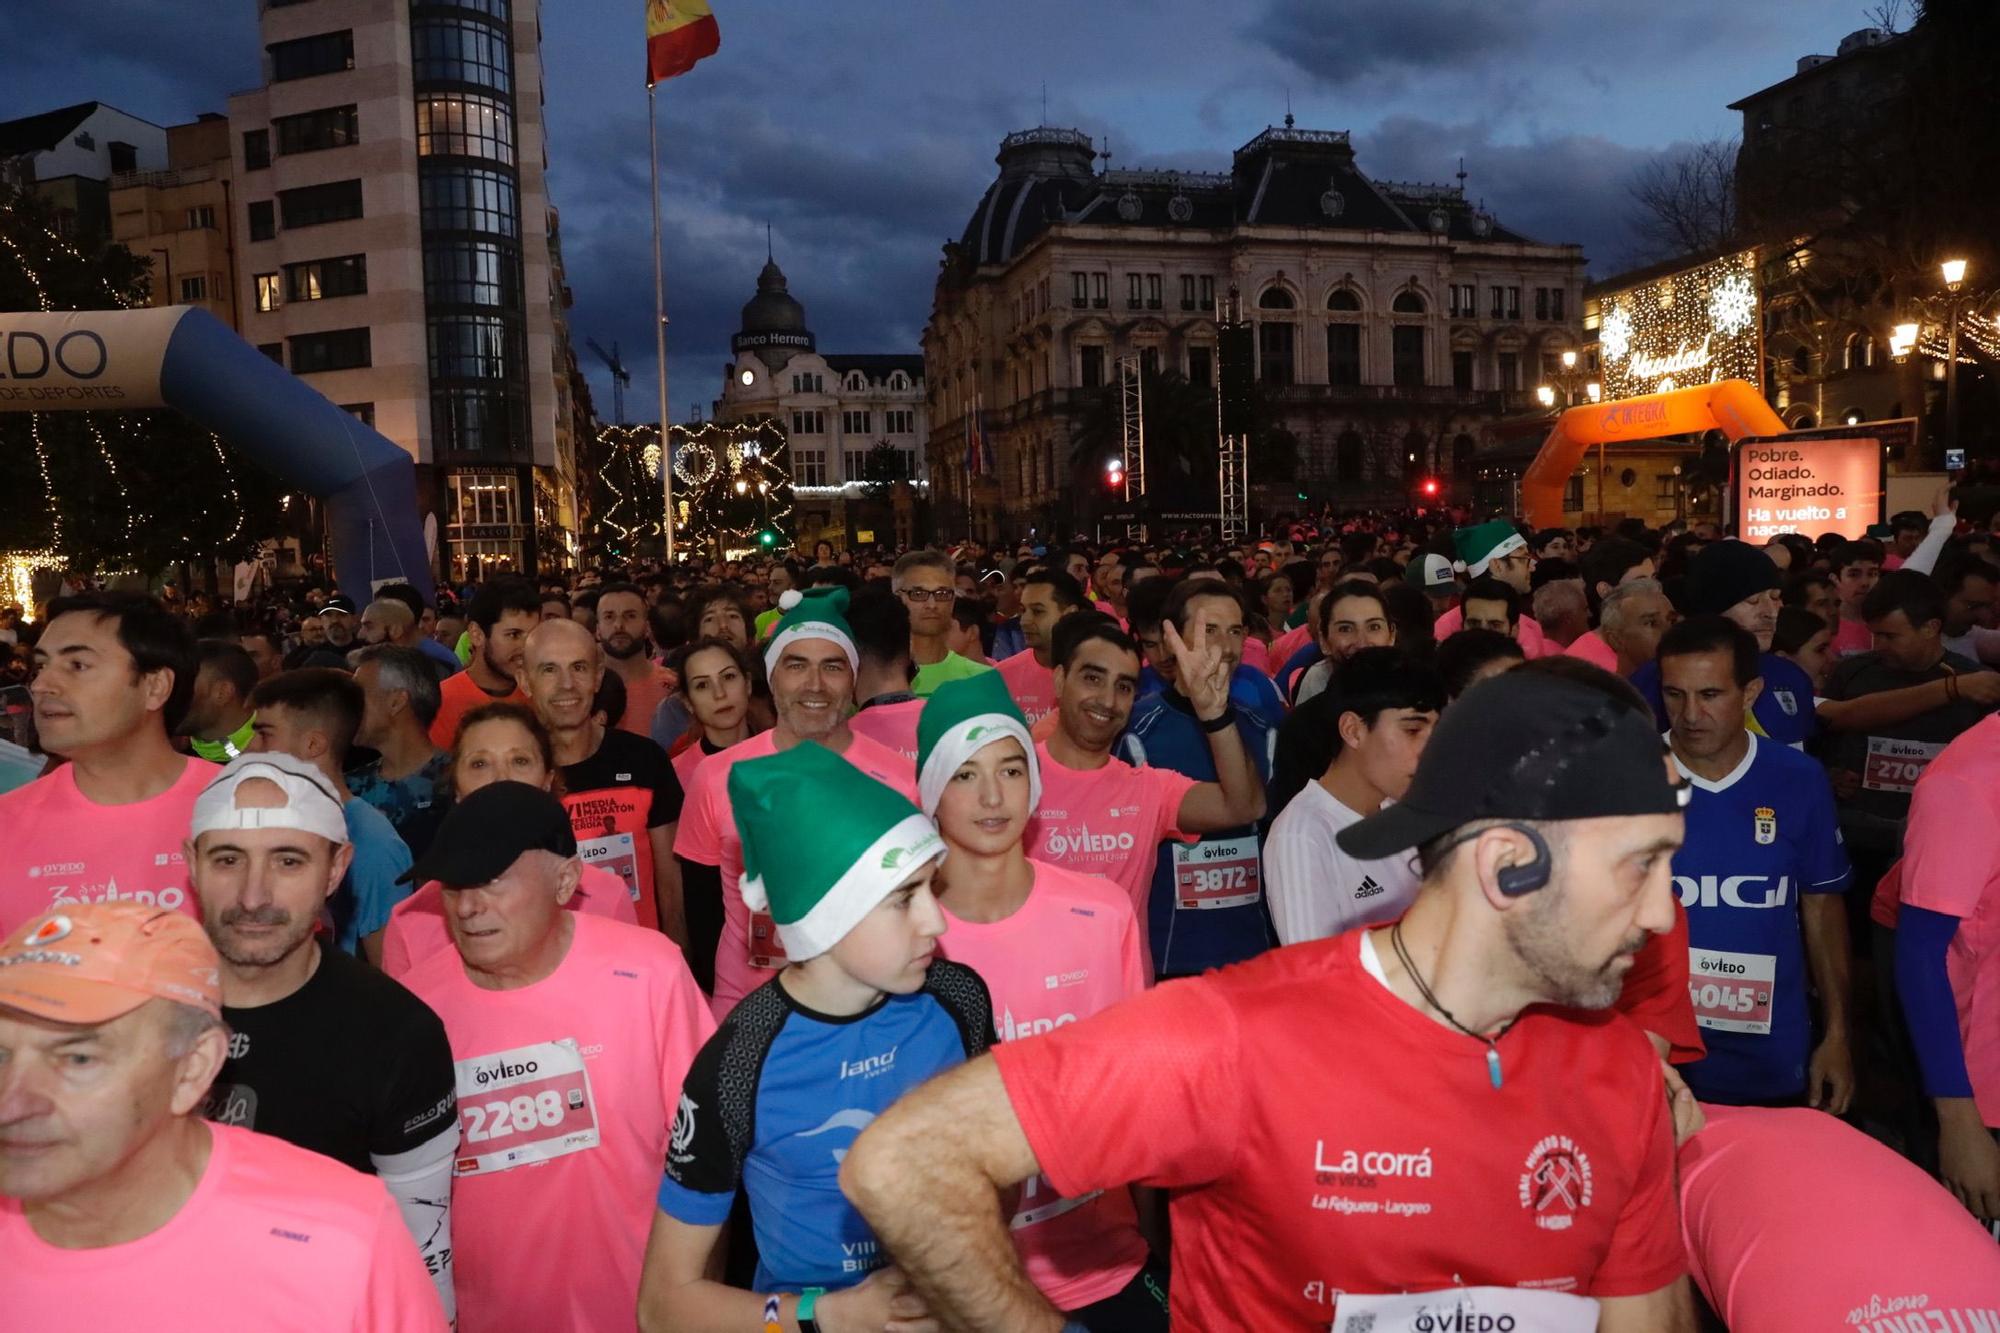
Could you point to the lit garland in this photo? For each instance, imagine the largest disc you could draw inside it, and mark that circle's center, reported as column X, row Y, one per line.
column 1980, row 329
column 738, row 477
column 17, row 575
column 1692, row 327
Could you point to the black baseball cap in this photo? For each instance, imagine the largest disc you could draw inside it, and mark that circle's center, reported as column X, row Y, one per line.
column 1523, row 746
column 487, row 831
column 339, row 602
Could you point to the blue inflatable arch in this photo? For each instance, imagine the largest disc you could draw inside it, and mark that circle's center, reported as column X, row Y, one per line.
column 184, row 358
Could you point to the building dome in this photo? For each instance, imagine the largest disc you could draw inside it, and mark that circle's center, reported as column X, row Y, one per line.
column 774, row 323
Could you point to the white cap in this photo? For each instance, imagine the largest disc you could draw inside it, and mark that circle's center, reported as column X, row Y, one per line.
column 311, row 805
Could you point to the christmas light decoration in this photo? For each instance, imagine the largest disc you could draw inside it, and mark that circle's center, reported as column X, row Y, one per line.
column 1695, row 326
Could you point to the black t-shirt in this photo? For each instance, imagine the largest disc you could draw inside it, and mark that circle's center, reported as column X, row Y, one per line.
column 613, row 798
column 1890, row 758
column 349, row 1065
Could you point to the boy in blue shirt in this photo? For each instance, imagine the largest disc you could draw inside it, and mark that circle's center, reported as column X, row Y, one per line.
column 1762, row 859
column 864, row 1012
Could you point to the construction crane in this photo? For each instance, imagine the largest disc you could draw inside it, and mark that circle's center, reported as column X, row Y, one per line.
column 620, row 377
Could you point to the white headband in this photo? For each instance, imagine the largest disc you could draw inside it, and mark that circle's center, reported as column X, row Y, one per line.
column 310, row 805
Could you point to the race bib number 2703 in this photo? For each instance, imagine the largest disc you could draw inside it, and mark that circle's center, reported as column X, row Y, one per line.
column 530, row 1104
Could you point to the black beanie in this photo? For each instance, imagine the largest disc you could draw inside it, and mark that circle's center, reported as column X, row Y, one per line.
column 1724, row 573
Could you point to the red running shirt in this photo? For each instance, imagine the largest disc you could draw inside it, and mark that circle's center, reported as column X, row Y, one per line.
column 1323, row 1136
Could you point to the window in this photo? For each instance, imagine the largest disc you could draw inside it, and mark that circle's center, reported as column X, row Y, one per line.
column 903, row 422
column 1666, row 488
column 1555, row 303
column 195, row 288
column 262, row 224
column 326, row 53
column 321, row 278
column 1541, row 303
column 201, row 218
column 1408, row 303
column 1801, row 361
column 465, row 125
column 1100, row 291
column 1343, row 354
column 474, row 347
column 1499, row 295
column 340, row 349
column 361, row 412
column 124, row 157
column 477, row 420
column 1406, row 343
column 1187, row 291
column 809, row 467
column 809, row 423
column 1090, row 365
column 1513, row 303
column 1573, row 492
column 1275, row 298
column 468, row 199
column 1201, row 365
column 336, row 201
column 1509, row 366
column 808, row 383
column 1347, row 454
column 1464, row 300
column 853, row 464
column 1858, row 353
column 1461, row 371
column 334, row 127
column 1551, row 366
column 482, row 273
column 1343, row 299
column 458, row 51
column 1149, row 363
column 1079, row 290
column 269, row 294
column 276, row 351
column 256, row 149
column 1274, row 352
column 1153, row 281
column 857, row 423
column 1208, row 293
column 499, row 9
column 1134, row 287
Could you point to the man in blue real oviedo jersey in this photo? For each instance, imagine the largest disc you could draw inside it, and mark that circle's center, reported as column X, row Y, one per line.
column 1762, row 857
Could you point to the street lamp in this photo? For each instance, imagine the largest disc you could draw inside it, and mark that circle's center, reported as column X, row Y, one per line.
column 1545, row 395
column 1568, row 384
column 1954, row 280
column 1902, row 339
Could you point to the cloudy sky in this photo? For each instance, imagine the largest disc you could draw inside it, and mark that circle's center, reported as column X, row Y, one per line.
column 863, row 131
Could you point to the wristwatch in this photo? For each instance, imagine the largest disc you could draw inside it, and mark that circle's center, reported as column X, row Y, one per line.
column 807, row 1300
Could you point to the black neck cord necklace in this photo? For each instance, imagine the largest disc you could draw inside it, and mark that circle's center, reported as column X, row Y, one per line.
column 1410, row 966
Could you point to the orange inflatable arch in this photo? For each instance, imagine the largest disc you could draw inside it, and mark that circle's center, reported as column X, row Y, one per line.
column 1732, row 406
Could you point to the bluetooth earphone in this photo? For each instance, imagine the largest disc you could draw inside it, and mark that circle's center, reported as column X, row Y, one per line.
column 1516, row 881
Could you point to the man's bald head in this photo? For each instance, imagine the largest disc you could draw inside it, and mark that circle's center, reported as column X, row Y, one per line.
column 561, row 666
column 387, row 620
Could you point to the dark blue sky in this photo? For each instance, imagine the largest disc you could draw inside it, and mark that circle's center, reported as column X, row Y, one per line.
column 863, row 131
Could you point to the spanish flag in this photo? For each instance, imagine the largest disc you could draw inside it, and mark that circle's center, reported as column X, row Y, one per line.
column 678, row 33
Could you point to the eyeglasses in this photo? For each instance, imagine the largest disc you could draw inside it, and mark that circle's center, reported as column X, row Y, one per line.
column 922, row 595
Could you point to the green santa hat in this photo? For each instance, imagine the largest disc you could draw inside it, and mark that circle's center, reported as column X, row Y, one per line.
column 817, row 613
column 961, row 718
column 1480, row 546
column 823, row 843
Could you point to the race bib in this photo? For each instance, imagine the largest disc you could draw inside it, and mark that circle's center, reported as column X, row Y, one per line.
column 1217, row 872
column 1039, row 1202
column 531, row 1104
column 1895, row 765
column 1732, row 991
column 1467, row 1310
column 615, row 852
column 766, row 949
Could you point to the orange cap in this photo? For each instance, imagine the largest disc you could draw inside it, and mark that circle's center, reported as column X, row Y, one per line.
column 93, row 962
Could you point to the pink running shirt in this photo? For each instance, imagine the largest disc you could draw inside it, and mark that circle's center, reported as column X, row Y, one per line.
column 1071, row 950
column 1032, row 684
column 273, row 1237
column 57, row 846
column 1592, row 648
column 1794, row 1220
column 891, row 725
column 1109, row 821
column 1951, row 864
column 1851, row 637
column 566, row 1094
column 1528, row 633
column 749, row 951
column 417, row 929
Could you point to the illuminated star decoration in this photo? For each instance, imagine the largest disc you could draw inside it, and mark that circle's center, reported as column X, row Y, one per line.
column 1732, row 305
column 1615, row 338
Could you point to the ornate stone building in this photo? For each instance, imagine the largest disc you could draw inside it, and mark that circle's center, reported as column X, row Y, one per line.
column 836, row 410
column 1394, row 323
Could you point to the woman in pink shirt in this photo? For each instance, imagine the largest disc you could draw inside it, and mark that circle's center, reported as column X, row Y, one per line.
column 1053, row 946
column 716, row 678
column 497, row 742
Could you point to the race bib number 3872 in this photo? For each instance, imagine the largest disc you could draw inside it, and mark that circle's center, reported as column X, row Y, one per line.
column 530, row 1104
column 1217, row 872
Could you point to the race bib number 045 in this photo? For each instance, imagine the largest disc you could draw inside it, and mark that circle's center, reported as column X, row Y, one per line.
column 1732, row 991
column 1217, row 872
column 1467, row 1310
column 530, row 1104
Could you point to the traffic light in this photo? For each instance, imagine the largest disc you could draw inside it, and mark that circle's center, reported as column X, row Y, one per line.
column 1114, row 473
column 767, row 538
column 1430, row 488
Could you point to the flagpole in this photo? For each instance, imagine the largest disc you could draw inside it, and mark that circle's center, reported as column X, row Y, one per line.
column 660, row 334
